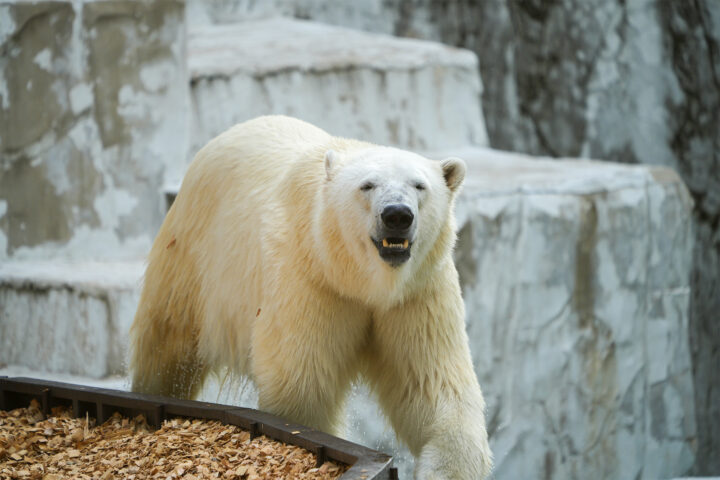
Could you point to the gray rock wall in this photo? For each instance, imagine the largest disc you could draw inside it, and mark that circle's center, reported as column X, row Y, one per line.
column 576, row 287
column 93, row 111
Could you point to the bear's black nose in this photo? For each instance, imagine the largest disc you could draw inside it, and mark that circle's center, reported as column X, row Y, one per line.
column 397, row 217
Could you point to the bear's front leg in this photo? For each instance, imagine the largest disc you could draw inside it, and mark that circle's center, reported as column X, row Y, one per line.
column 305, row 353
column 420, row 366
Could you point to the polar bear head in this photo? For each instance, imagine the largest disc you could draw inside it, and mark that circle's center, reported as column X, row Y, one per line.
column 390, row 205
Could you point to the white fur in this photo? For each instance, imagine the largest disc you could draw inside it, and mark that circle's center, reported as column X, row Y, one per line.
column 265, row 265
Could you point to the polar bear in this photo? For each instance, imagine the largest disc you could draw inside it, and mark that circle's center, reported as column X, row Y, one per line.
column 307, row 262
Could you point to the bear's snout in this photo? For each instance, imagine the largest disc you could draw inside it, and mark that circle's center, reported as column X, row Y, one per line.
column 397, row 217
column 395, row 235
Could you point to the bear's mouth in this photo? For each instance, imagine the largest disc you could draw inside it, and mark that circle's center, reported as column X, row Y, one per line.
column 394, row 250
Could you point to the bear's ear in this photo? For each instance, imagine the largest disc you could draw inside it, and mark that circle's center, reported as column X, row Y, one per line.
column 453, row 171
column 331, row 162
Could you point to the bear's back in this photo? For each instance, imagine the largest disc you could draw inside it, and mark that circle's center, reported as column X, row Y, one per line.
column 260, row 150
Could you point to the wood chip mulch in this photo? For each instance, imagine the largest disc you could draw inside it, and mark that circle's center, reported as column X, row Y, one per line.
column 58, row 447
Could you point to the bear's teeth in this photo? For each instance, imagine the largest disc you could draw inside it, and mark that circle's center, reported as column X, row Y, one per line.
column 387, row 244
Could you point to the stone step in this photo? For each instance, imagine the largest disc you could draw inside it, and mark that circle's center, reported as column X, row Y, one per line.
column 68, row 317
column 408, row 93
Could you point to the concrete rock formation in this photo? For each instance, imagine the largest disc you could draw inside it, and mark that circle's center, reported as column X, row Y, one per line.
column 68, row 317
column 575, row 277
column 93, row 100
column 409, row 93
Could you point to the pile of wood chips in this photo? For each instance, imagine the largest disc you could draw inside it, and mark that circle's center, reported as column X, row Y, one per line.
column 59, row 447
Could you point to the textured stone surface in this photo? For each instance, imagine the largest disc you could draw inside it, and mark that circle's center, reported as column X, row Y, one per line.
column 369, row 15
column 68, row 317
column 93, row 111
column 383, row 89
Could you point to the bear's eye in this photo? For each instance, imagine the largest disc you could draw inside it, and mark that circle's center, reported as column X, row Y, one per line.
column 367, row 186
column 420, row 186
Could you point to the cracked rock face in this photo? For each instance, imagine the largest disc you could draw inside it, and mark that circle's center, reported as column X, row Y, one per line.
column 93, row 107
column 577, row 317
